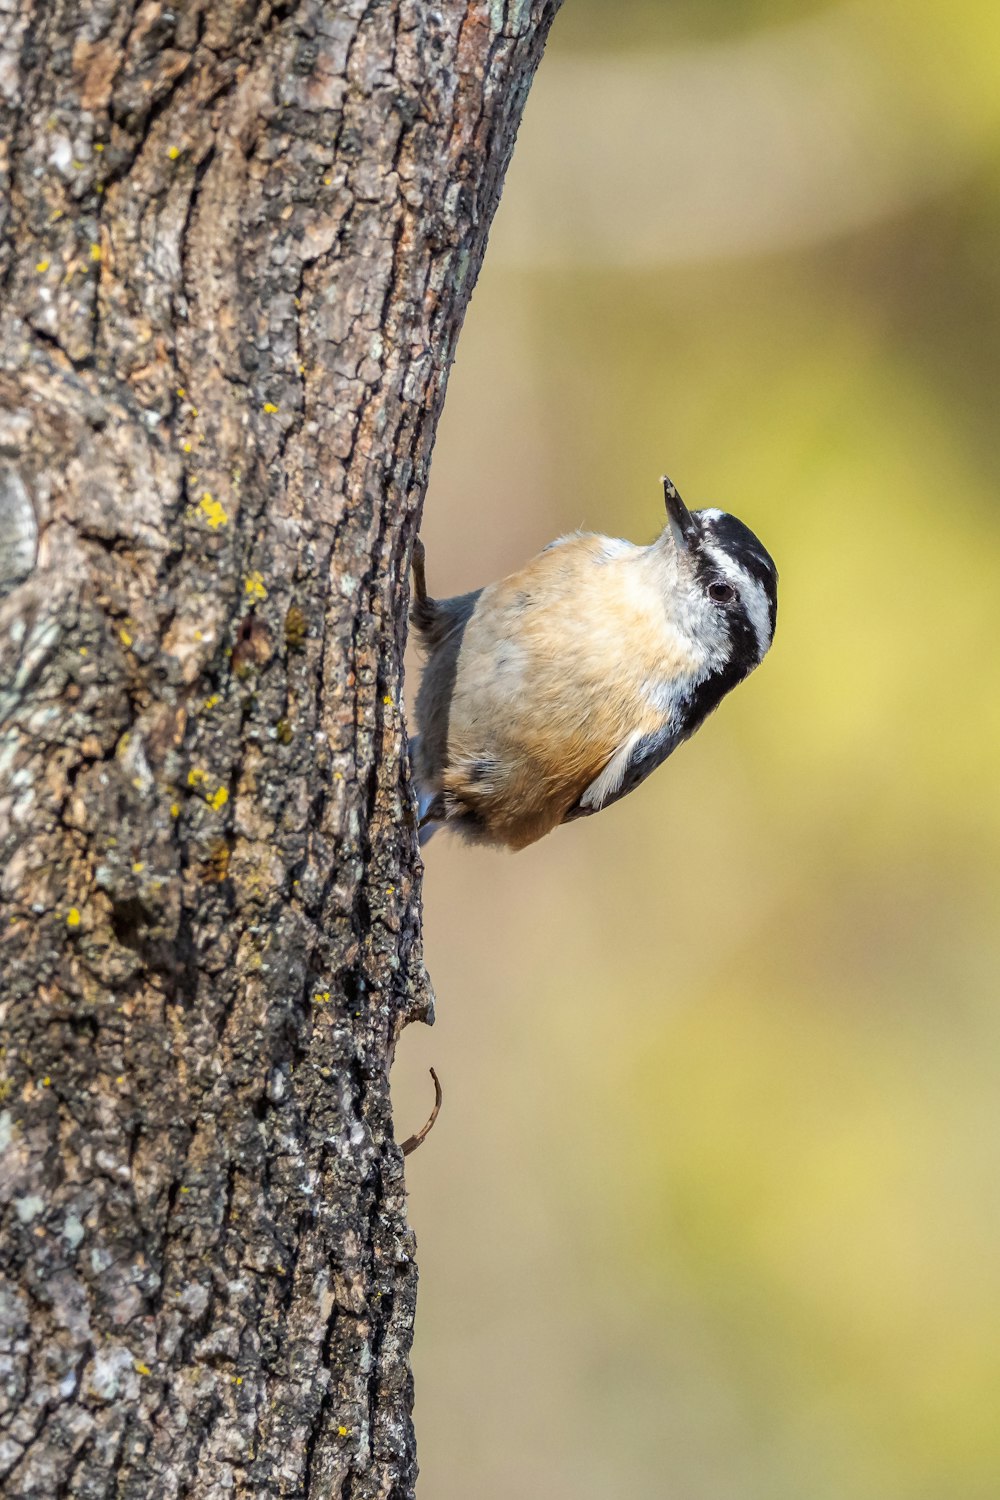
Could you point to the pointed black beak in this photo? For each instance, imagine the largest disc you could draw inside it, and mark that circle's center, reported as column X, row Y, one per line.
column 682, row 523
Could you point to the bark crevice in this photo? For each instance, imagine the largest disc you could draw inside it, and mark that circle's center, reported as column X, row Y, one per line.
column 237, row 247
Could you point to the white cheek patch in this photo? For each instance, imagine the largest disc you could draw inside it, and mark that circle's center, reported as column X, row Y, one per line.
column 752, row 596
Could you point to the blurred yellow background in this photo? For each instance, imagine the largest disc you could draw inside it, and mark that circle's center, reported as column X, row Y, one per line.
column 712, row 1210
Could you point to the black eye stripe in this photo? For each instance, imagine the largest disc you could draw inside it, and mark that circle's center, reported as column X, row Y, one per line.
column 738, row 542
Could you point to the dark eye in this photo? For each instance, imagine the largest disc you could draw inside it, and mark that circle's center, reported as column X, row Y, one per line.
column 722, row 593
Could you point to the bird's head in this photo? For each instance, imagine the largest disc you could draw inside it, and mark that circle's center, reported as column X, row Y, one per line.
column 723, row 594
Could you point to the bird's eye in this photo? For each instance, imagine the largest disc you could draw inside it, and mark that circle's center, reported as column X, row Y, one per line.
column 722, row 593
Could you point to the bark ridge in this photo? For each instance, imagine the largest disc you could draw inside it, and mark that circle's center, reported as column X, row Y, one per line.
column 236, row 246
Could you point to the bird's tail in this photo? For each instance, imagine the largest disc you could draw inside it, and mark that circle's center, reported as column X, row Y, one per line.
column 425, row 612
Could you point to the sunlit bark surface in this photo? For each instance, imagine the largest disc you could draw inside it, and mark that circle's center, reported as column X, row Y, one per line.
column 237, row 246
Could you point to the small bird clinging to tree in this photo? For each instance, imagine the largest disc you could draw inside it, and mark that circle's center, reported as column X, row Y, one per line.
column 552, row 693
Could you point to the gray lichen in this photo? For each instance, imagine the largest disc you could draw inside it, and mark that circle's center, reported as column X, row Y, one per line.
column 18, row 530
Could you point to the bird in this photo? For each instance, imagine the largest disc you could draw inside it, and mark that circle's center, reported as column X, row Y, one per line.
column 553, row 693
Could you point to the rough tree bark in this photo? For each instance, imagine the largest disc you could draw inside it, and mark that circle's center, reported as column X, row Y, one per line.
column 238, row 240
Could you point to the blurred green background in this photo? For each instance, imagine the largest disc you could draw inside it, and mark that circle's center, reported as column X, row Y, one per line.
column 712, row 1210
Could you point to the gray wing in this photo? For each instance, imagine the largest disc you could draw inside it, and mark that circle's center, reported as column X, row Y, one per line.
column 630, row 764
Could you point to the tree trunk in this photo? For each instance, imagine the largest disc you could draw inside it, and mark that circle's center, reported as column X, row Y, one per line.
column 238, row 243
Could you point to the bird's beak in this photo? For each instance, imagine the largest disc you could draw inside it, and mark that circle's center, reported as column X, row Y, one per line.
column 683, row 526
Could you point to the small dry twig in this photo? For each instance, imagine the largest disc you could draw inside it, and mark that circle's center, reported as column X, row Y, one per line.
column 413, row 1141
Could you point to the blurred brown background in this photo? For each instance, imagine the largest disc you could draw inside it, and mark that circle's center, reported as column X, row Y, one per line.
column 712, row 1210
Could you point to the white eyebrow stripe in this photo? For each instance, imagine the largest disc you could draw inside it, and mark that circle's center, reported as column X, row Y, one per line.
column 752, row 595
